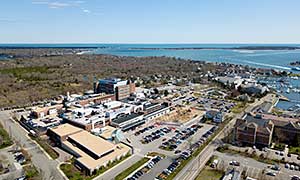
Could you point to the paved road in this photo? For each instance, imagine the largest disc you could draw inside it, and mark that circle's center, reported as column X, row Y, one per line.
column 39, row 159
column 192, row 169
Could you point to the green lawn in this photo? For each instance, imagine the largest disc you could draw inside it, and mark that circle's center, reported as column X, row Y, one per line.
column 131, row 169
column 32, row 173
column 209, row 174
column 294, row 150
column 5, row 139
column 279, row 147
column 239, row 107
column 72, row 172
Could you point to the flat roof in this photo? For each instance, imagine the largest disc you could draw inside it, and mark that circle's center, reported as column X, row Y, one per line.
column 107, row 132
column 126, row 118
column 92, row 163
column 93, row 143
column 65, row 129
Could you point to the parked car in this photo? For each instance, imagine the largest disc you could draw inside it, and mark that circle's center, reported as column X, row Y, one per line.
column 271, row 173
column 234, row 163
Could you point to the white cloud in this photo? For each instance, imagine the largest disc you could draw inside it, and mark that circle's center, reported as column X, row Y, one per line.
column 56, row 5
column 86, row 11
column 63, row 4
column 40, row 2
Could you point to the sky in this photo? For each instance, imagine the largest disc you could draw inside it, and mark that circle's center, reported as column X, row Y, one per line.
column 149, row 21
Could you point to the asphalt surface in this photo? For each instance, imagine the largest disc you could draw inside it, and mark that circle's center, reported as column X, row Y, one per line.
column 254, row 168
column 47, row 166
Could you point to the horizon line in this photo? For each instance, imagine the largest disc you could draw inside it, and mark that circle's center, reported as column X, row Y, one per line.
column 28, row 43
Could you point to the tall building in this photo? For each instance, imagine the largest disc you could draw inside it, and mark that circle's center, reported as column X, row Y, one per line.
column 121, row 88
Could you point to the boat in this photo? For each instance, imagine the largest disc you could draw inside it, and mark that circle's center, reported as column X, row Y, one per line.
column 294, row 77
column 296, row 68
column 288, row 90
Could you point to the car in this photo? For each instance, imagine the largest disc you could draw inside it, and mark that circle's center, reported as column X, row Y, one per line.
column 289, row 155
column 295, row 177
column 177, row 151
column 21, row 178
column 271, row 173
column 287, row 166
column 292, row 167
column 137, row 133
column 234, row 163
column 140, row 173
column 276, row 167
column 296, row 168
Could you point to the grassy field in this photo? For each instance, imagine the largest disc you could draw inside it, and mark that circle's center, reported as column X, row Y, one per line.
column 5, row 139
column 279, row 147
column 209, row 174
column 131, row 169
column 52, row 153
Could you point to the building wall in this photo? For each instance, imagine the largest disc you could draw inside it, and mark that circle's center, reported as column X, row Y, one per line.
column 245, row 137
column 129, row 122
column 285, row 134
column 123, row 92
column 263, row 139
column 157, row 114
column 45, row 110
column 251, row 136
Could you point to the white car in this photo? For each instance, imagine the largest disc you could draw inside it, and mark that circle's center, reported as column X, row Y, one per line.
column 292, row 167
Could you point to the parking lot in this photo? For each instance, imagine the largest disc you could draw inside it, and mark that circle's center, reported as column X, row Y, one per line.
column 149, row 138
column 254, row 168
column 185, row 154
column 179, row 141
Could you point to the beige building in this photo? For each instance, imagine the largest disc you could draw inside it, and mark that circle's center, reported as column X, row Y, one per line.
column 91, row 151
